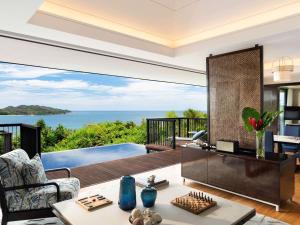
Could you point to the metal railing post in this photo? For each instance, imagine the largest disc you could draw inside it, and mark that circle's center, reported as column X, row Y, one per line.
column 148, row 131
column 179, row 127
column 187, row 127
column 174, row 134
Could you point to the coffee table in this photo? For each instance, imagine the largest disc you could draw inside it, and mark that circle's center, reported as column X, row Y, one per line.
column 225, row 213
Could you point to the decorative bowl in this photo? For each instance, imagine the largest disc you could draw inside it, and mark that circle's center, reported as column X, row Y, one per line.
column 131, row 220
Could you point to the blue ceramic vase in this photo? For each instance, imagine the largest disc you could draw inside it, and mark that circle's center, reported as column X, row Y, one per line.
column 148, row 196
column 127, row 194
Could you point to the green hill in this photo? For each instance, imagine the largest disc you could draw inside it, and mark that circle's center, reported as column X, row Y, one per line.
column 31, row 110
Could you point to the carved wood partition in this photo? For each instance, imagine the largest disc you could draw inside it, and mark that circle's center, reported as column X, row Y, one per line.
column 235, row 81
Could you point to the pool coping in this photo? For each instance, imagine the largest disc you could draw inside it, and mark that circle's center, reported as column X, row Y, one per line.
column 89, row 148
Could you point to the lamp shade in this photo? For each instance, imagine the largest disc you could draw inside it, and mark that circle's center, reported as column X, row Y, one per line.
column 282, row 69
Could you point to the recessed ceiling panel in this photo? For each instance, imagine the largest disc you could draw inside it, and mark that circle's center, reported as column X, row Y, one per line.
column 174, row 4
column 176, row 19
column 204, row 15
column 141, row 15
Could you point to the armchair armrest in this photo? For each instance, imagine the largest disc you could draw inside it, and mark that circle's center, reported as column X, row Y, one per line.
column 60, row 169
column 28, row 186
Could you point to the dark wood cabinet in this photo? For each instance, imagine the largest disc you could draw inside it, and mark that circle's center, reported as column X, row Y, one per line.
column 194, row 164
column 271, row 180
column 222, row 170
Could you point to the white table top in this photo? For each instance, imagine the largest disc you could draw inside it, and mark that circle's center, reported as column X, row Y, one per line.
column 287, row 139
column 226, row 212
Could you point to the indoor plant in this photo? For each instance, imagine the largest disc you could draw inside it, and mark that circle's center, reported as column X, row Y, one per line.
column 254, row 121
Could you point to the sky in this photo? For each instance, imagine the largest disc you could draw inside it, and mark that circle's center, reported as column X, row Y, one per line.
column 27, row 85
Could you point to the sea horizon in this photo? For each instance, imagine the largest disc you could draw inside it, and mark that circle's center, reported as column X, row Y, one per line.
column 77, row 119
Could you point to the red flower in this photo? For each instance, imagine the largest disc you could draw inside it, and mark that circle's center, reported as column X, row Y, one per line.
column 256, row 125
column 260, row 123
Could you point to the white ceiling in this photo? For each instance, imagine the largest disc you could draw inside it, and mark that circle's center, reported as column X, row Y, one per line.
column 174, row 20
column 176, row 32
column 174, row 4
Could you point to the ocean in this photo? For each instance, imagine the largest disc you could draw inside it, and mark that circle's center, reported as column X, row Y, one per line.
column 78, row 119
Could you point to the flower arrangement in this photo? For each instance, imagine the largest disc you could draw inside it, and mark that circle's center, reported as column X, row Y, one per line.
column 254, row 121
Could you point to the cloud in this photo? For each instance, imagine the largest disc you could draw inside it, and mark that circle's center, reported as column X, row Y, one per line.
column 23, row 72
column 87, row 95
column 64, row 84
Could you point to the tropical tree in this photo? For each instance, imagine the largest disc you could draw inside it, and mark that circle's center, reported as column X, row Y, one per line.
column 103, row 134
column 171, row 114
column 192, row 113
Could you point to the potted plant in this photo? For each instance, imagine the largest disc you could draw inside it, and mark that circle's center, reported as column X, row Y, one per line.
column 254, row 121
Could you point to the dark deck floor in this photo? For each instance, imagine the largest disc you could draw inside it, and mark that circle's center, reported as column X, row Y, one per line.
column 97, row 173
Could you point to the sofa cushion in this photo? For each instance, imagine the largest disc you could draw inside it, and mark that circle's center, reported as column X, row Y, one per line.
column 33, row 172
column 44, row 197
column 199, row 134
column 11, row 164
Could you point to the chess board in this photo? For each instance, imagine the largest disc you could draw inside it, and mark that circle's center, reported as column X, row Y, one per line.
column 93, row 202
column 194, row 202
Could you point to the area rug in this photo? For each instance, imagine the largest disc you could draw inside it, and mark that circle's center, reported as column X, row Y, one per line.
column 257, row 220
column 264, row 220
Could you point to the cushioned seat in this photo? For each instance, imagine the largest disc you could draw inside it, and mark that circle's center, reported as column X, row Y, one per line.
column 37, row 198
column 290, row 148
column 291, row 130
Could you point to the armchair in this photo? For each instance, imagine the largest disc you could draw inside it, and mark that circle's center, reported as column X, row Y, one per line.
column 269, row 141
column 20, row 201
column 291, row 130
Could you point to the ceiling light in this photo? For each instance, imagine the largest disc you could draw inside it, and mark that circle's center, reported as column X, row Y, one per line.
column 282, row 69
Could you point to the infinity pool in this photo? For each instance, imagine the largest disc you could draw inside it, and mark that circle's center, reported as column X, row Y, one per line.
column 88, row 156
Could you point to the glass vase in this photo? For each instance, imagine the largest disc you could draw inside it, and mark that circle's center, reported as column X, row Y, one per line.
column 127, row 194
column 260, row 144
column 148, row 196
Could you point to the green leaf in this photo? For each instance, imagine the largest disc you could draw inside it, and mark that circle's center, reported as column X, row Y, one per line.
column 252, row 113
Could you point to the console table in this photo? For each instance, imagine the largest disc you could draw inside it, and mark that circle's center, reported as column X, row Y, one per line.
column 270, row 180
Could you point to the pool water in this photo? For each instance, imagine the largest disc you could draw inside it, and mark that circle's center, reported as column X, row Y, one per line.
column 87, row 156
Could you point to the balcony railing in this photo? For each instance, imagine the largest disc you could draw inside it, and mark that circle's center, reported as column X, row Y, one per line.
column 19, row 135
column 163, row 131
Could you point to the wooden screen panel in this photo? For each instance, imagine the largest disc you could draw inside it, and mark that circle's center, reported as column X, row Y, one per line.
column 234, row 81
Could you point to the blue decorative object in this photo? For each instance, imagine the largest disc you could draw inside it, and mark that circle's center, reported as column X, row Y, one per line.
column 127, row 194
column 199, row 135
column 148, row 196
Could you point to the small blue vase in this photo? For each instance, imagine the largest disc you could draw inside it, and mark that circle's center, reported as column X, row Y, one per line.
column 148, row 196
column 127, row 194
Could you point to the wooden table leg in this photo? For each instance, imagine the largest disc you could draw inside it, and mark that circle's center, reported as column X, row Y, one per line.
column 279, row 147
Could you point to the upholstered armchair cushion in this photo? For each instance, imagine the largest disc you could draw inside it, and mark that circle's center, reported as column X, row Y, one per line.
column 33, row 172
column 11, row 164
column 44, row 197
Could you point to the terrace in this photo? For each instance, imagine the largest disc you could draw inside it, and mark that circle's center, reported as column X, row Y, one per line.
column 244, row 161
column 162, row 133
